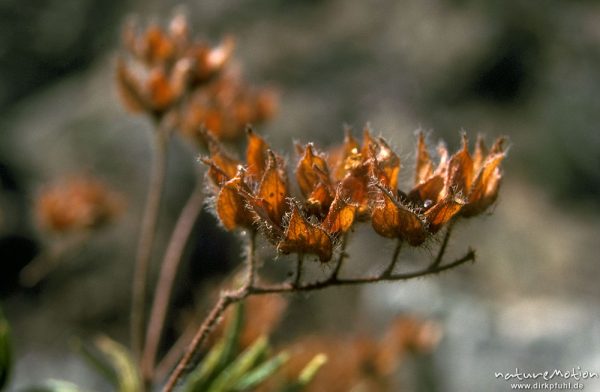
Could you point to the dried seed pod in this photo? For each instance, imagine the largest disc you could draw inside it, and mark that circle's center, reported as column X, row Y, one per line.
column 301, row 236
column 231, row 204
column 273, row 189
column 393, row 220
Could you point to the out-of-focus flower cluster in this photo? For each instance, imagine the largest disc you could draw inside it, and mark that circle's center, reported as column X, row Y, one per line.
column 360, row 362
column 76, row 204
column 166, row 71
column 348, row 183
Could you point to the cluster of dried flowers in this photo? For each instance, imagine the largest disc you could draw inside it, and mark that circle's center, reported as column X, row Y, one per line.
column 351, row 182
column 75, row 204
column 166, row 72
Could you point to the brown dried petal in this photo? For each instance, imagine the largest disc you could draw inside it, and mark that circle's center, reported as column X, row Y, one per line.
column 129, row 89
column 273, row 189
column 392, row 220
column 368, row 143
column 342, row 158
column 220, row 158
column 441, row 213
column 479, row 154
column 215, row 173
column 340, row 217
column 231, row 205
column 256, row 154
column 160, row 93
column 424, row 165
column 355, row 189
column 319, row 200
column 311, row 170
column 460, row 171
column 156, row 47
column 388, row 164
column 220, row 55
column 485, row 186
column 430, row 190
column 303, row 237
column 442, row 167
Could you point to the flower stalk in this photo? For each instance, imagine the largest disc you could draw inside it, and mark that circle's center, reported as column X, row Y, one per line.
column 228, row 298
column 166, row 278
column 146, row 239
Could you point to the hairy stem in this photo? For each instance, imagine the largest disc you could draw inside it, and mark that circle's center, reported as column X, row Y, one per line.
column 146, row 240
column 319, row 285
column 250, row 260
column 209, row 323
column 228, row 298
column 169, row 267
column 340, row 260
column 390, row 268
column 299, row 265
column 442, row 250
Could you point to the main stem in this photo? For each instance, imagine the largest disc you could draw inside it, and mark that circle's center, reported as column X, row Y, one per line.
column 169, row 267
column 225, row 299
column 146, row 239
column 228, row 298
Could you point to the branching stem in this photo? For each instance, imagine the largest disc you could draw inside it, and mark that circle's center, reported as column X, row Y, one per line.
column 230, row 297
column 390, row 268
column 299, row 266
column 340, row 260
column 442, row 251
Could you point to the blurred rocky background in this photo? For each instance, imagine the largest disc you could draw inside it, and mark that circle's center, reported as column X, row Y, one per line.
column 525, row 69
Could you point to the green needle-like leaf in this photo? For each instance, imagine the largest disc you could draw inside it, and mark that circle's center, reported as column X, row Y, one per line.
column 129, row 379
column 197, row 380
column 240, row 366
column 261, row 372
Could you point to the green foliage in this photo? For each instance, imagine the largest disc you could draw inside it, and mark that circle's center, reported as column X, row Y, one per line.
column 113, row 361
column 261, row 373
column 5, row 351
column 127, row 376
column 307, row 374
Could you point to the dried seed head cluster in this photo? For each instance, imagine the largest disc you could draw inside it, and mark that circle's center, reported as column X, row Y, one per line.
column 225, row 107
column 351, row 182
column 79, row 203
column 166, row 71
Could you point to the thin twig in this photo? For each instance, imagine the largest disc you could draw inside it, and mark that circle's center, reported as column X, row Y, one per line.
column 287, row 288
column 250, row 260
column 169, row 267
column 215, row 314
column 228, row 298
column 168, row 362
column 340, row 260
column 299, row 265
column 390, row 268
column 146, row 239
column 440, row 255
